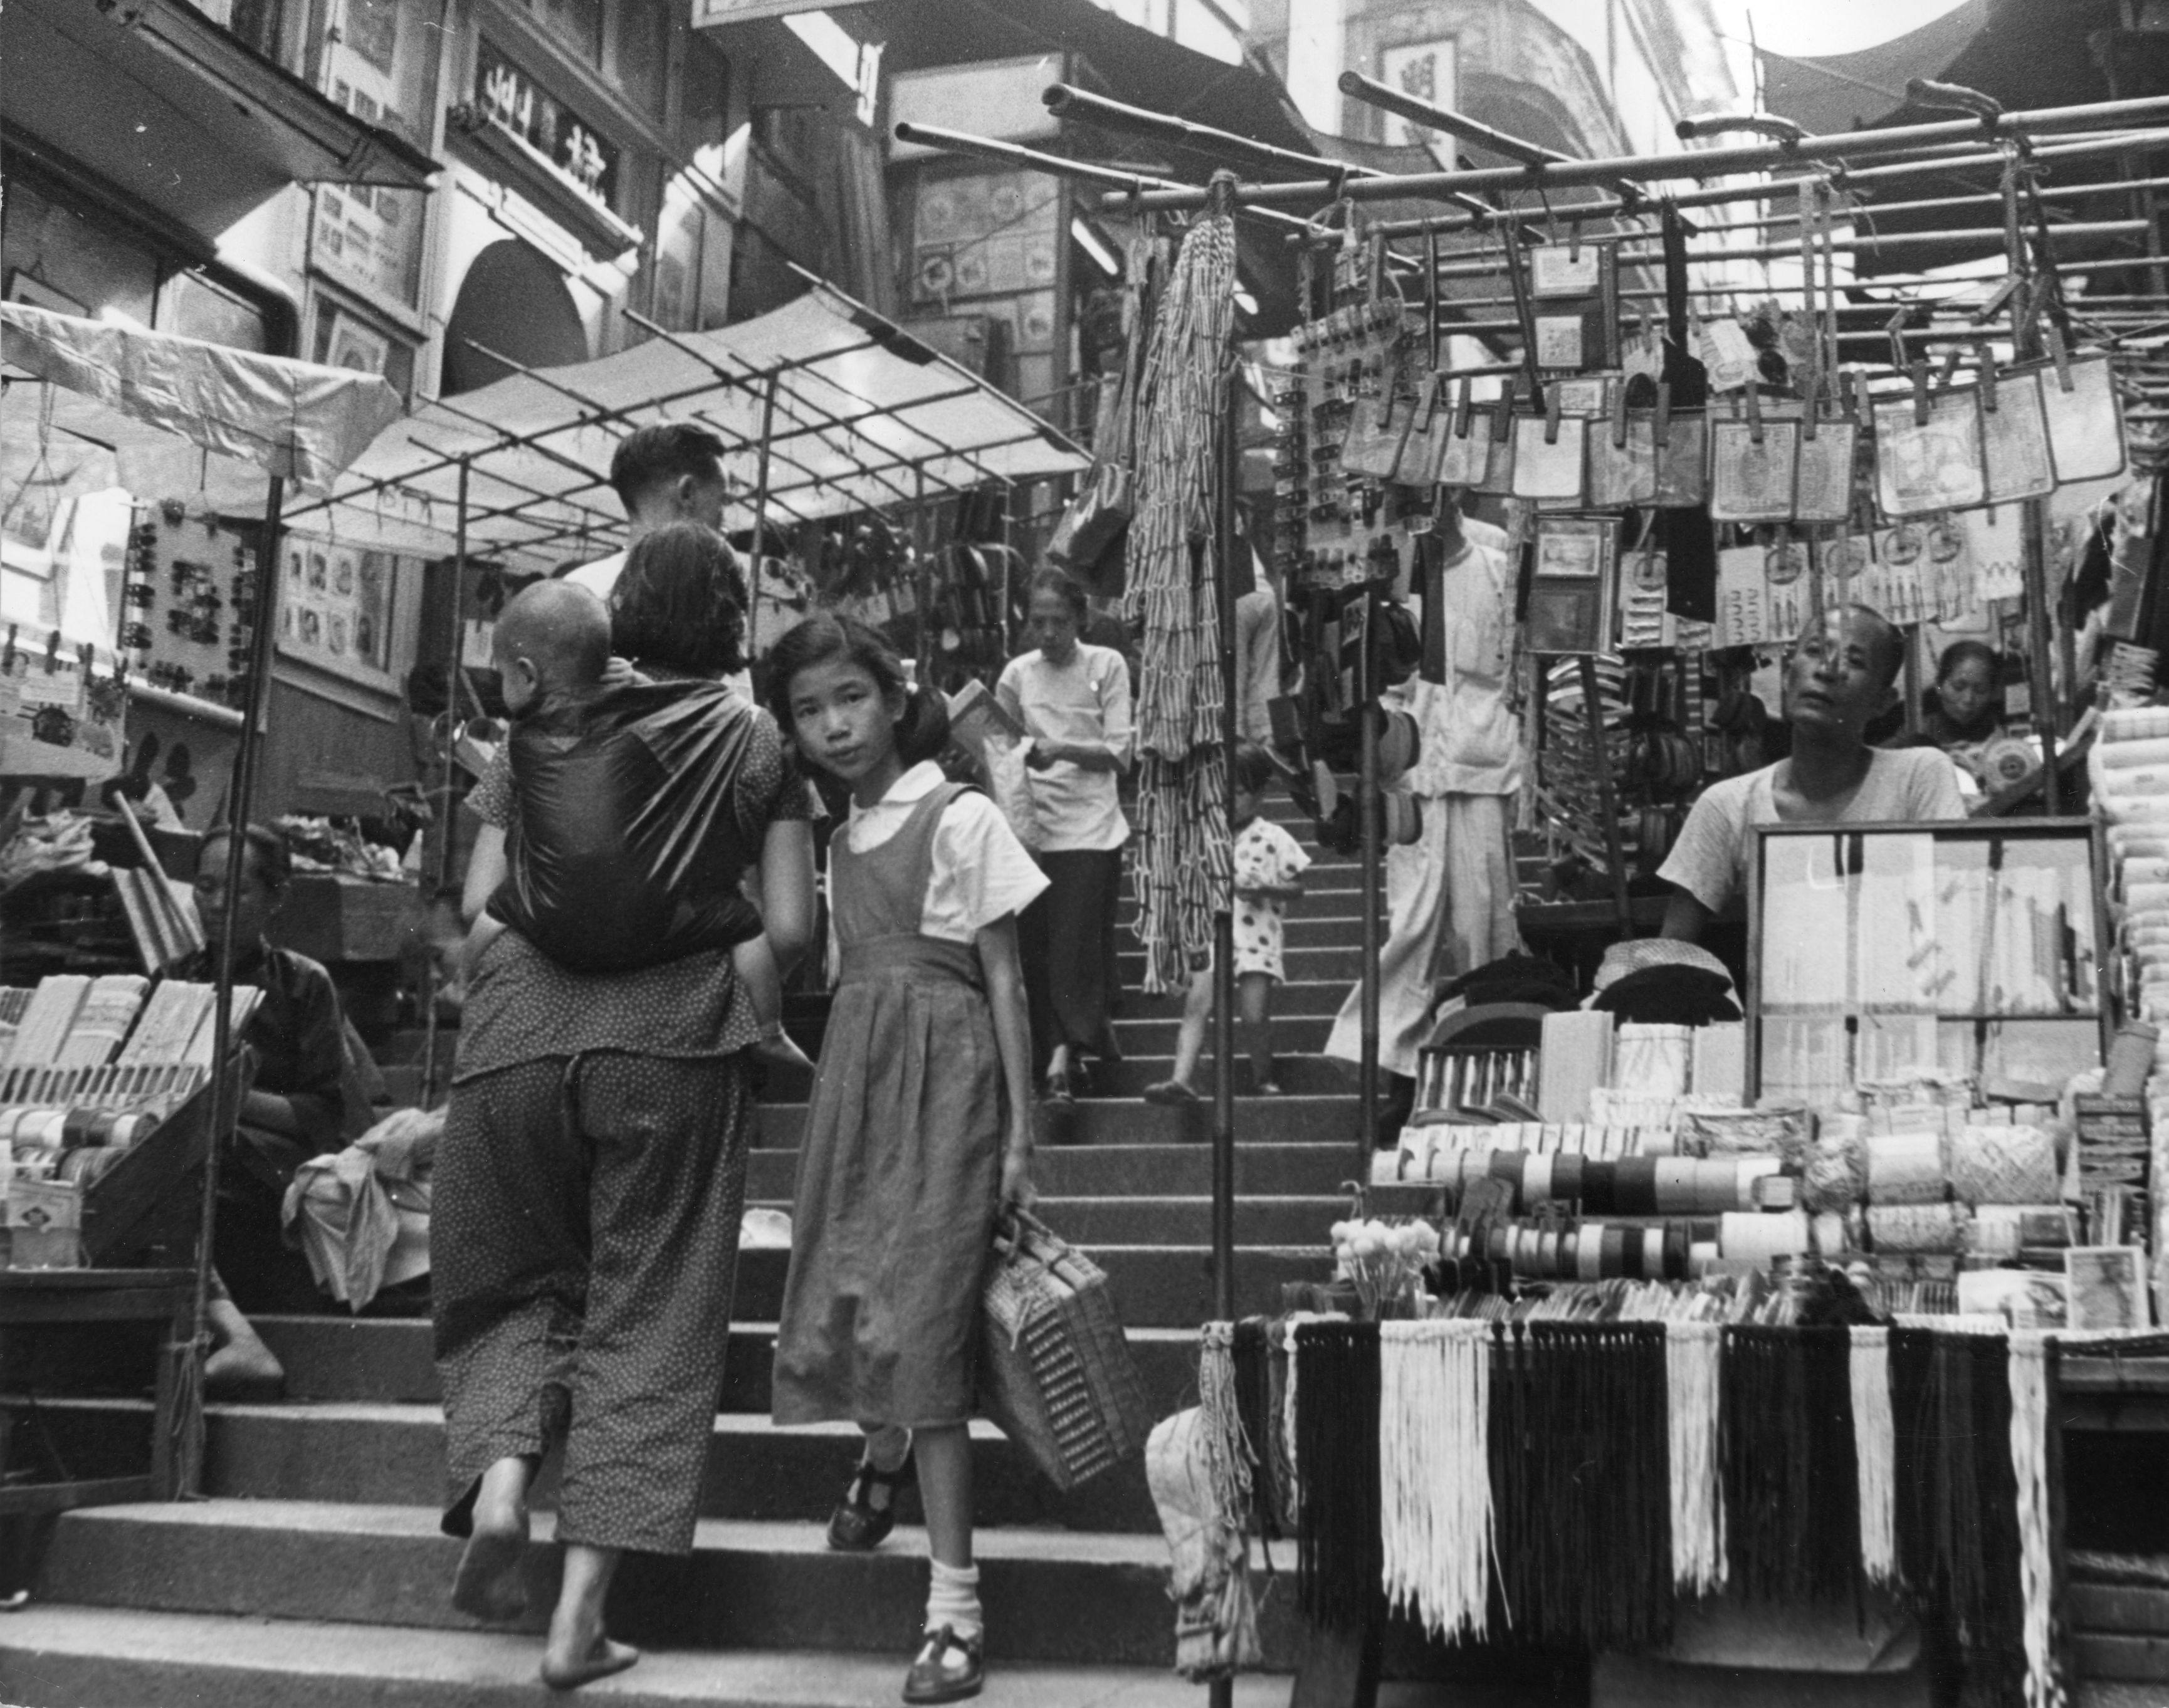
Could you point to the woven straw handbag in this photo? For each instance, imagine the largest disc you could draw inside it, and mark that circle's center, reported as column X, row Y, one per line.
column 1055, row 1370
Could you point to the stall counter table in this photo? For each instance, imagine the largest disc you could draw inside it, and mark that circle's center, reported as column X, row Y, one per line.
column 30, row 1297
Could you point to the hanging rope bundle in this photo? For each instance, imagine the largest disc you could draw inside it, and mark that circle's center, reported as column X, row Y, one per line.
column 1787, row 1445
column 2031, row 1374
column 1579, row 1426
column 1338, row 1560
column 1225, row 1451
column 1692, row 1350
column 1435, row 1471
column 1183, row 864
column 1873, row 1448
column 1957, row 1506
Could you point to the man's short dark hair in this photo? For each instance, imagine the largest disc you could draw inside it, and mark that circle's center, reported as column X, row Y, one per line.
column 1889, row 643
column 654, row 454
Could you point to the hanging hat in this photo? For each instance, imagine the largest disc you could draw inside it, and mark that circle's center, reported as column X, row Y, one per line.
column 1400, row 745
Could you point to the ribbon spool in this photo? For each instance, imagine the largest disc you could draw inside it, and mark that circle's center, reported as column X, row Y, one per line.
column 1923, row 1228
column 1751, row 1236
column 2003, row 1165
column 1907, row 1168
column 2007, row 760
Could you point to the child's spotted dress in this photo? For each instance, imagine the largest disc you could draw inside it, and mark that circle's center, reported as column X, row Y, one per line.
column 1266, row 857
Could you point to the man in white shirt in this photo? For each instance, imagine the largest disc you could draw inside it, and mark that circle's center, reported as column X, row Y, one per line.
column 1841, row 676
column 672, row 472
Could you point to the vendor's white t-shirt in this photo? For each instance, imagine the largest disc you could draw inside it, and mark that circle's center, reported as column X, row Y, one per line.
column 981, row 871
column 1710, row 860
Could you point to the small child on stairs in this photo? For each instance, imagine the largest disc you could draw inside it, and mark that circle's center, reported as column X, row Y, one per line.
column 1269, row 868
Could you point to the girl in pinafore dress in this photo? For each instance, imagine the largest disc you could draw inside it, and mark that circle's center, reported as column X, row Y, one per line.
column 920, row 1126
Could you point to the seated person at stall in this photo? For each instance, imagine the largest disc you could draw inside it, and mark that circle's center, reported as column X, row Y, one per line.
column 1964, row 706
column 294, row 1108
column 1839, row 677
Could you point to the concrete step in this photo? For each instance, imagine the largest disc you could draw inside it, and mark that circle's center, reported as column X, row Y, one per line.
column 104, row 1658
column 371, row 1453
column 1050, row 1597
column 96, row 1657
column 1297, row 1072
column 1344, row 962
column 1298, row 996
column 331, row 1360
column 1294, row 1119
column 1298, row 1034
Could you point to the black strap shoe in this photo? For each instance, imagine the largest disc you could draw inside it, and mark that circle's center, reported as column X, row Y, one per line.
column 932, row 1680
column 858, row 1526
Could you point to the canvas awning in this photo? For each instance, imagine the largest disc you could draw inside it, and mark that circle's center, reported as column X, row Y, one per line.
column 180, row 416
column 865, row 418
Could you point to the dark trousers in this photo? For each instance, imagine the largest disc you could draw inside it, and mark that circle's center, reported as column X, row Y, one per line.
column 1067, row 941
column 584, row 1243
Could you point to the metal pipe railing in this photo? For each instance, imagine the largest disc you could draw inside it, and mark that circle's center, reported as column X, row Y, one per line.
column 1703, row 163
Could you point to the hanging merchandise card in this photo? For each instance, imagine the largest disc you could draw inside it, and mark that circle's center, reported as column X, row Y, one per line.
column 1743, row 599
column 1894, row 585
column 1497, row 478
column 1434, row 433
column 1558, row 340
column 1844, row 559
column 1466, row 453
column 1620, row 474
column 1785, row 575
column 2085, row 424
column 1375, row 429
column 1563, row 270
column 1574, row 289
column 1682, row 481
column 1946, row 572
column 2014, row 438
column 1643, row 620
column 1934, row 465
column 1569, row 596
column 1751, row 482
column 1727, row 354
column 1552, row 469
column 1995, row 543
column 1822, row 486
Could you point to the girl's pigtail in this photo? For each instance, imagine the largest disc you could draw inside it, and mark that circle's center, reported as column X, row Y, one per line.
column 923, row 732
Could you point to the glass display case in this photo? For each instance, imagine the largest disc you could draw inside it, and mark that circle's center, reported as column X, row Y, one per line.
column 1978, row 948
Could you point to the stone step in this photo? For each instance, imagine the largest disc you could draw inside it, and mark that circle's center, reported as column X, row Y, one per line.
column 1050, row 1597
column 1301, row 1034
column 1343, row 962
column 1294, row 1119
column 329, row 1360
column 104, row 1658
column 1297, row 1072
column 1298, row 996
column 373, row 1453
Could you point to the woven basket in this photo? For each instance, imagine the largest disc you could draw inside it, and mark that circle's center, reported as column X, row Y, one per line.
column 1055, row 1370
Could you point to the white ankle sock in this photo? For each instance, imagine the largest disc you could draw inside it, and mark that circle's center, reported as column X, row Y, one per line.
column 952, row 1598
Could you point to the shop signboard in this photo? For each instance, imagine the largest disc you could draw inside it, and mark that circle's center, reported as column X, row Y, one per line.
column 575, row 152
column 1428, row 71
column 380, row 64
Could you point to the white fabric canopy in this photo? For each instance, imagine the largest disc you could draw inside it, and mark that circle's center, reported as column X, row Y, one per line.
column 865, row 418
column 182, row 416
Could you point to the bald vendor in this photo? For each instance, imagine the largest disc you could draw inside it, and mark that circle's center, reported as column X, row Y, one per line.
column 1841, row 675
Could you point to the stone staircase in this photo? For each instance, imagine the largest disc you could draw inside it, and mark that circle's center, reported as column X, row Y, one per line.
column 315, row 1571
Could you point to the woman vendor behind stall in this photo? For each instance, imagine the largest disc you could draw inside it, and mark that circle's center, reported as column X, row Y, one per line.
column 1074, row 700
column 1964, row 706
column 295, row 1109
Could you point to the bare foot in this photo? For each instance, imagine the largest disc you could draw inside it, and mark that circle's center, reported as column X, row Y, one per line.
column 244, row 1369
column 602, row 1658
column 490, row 1586
column 780, row 1051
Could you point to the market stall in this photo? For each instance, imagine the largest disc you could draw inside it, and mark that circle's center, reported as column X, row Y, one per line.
column 117, row 1082
column 1690, row 1272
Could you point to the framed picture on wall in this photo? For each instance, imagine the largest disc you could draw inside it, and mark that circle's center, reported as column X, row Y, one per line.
column 25, row 287
column 357, row 346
